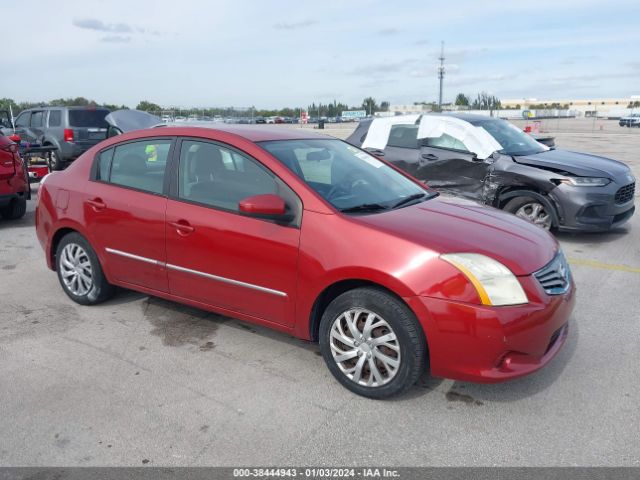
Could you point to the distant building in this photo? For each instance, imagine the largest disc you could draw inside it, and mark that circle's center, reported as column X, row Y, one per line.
column 409, row 109
column 600, row 107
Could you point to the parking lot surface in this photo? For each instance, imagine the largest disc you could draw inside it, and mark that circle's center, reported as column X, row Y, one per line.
column 143, row 381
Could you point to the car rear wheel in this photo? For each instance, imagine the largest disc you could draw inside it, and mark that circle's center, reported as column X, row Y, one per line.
column 55, row 163
column 80, row 272
column 372, row 343
column 531, row 209
column 15, row 210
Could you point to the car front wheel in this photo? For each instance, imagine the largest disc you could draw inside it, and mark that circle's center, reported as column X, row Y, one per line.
column 372, row 343
column 531, row 209
column 79, row 271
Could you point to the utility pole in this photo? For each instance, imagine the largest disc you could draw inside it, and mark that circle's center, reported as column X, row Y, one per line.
column 441, row 74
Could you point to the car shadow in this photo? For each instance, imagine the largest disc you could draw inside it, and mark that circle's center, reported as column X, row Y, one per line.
column 592, row 237
column 178, row 324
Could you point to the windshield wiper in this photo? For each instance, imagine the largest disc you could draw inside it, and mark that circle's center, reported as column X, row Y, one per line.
column 409, row 199
column 365, row 207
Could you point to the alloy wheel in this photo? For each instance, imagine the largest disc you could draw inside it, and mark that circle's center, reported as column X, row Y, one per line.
column 536, row 213
column 75, row 269
column 365, row 347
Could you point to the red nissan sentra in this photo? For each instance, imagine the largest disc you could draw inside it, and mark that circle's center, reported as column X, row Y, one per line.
column 314, row 237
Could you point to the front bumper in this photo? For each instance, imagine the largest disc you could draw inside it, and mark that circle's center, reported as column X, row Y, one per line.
column 486, row 344
column 591, row 209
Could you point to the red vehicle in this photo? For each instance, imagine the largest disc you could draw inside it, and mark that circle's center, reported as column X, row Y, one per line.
column 316, row 238
column 14, row 181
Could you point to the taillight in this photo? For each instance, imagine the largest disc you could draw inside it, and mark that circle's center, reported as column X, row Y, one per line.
column 68, row 135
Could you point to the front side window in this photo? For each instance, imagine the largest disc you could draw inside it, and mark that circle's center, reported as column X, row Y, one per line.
column 348, row 178
column 213, row 175
column 445, row 141
column 140, row 165
column 513, row 140
column 23, row 119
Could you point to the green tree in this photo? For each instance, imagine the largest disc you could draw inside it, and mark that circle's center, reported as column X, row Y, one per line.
column 384, row 106
column 462, row 100
column 147, row 106
column 370, row 105
column 484, row 101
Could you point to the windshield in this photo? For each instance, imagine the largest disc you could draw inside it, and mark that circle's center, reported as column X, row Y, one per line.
column 348, row 178
column 88, row 118
column 513, row 140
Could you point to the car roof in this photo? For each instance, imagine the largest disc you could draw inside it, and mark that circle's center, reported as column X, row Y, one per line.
column 253, row 133
column 470, row 117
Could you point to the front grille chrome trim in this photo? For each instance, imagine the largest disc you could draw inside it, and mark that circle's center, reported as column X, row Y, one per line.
column 555, row 277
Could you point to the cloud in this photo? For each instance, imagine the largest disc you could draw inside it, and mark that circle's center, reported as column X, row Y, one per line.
column 116, row 39
column 384, row 68
column 100, row 26
column 294, row 25
column 421, row 42
column 388, row 31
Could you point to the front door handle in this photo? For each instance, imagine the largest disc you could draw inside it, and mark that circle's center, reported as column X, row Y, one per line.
column 182, row 227
column 96, row 204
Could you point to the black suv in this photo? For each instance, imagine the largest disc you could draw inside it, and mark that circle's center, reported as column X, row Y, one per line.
column 72, row 130
column 551, row 187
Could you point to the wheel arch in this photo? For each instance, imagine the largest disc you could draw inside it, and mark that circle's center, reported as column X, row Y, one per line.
column 332, row 291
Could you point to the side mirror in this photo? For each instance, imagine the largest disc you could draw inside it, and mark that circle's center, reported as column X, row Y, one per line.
column 15, row 138
column 268, row 206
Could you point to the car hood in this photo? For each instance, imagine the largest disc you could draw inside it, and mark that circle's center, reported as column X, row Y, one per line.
column 452, row 225
column 581, row 164
column 130, row 120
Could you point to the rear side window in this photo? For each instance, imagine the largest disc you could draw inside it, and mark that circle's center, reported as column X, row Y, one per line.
column 403, row 136
column 88, row 118
column 55, row 118
column 139, row 165
column 36, row 119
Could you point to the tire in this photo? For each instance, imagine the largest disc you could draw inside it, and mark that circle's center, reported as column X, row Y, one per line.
column 55, row 162
column 405, row 347
column 537, row 212
column 76, row 259
column 15, row 210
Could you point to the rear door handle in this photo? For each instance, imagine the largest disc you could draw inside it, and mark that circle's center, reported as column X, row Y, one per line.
column 429, row 156
column 97, row 204
column 182, row 227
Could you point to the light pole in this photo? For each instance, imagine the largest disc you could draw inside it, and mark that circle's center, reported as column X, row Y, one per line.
column 441, row 74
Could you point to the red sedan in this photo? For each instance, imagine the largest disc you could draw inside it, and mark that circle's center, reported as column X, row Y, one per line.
column 316, row 238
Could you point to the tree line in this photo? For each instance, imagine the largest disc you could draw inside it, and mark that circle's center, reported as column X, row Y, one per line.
column 332, row 109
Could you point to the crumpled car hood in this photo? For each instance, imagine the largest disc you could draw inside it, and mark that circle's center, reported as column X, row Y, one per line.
column 581, row 164
column 130, row 120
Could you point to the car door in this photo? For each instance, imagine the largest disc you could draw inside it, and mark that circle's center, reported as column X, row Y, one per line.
column 219, row 257
column 125, row 209
column 402, row 150
column 449, row 166
column 23, row 127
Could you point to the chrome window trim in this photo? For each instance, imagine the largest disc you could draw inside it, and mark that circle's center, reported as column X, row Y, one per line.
column 197, row 272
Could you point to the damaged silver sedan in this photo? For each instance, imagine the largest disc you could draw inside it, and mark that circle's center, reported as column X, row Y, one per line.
column 492, row 161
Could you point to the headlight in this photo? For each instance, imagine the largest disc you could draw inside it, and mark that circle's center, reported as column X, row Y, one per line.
column 494, row 282
column 586, row 181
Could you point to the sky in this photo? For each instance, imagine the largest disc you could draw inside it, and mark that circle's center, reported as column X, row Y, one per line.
column 277, row 53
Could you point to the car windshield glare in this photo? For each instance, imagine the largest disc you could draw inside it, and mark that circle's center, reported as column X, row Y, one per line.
column 348, row 178
column 513, row 140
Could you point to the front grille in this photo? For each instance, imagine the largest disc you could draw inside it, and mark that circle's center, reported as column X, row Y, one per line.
column 555, row 277
column 624, row 194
